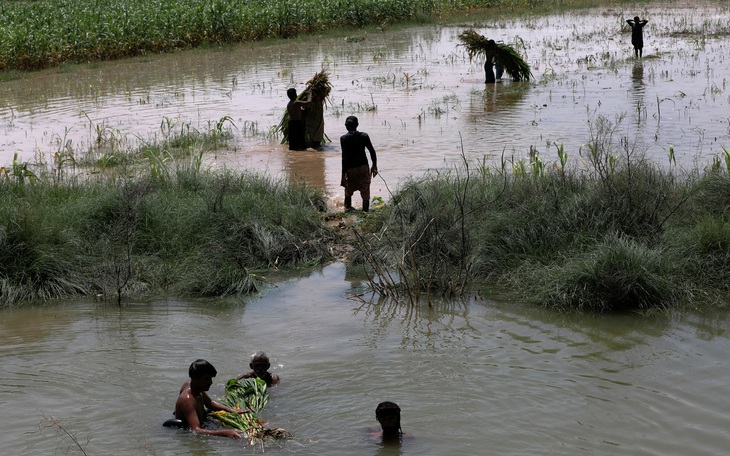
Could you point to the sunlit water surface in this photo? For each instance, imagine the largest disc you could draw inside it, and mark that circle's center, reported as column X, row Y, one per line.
column 471, row 378
column 415, row 90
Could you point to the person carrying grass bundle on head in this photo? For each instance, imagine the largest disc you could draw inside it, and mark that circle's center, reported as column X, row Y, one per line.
column 490, row 53
column 193, row 401
column 311, row 119
column 356, row 173
column 637, row 35
column 501, row 56
column 260, row 369
column 314, row 122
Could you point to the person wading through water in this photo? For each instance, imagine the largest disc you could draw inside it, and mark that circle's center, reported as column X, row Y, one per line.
column 356, row 173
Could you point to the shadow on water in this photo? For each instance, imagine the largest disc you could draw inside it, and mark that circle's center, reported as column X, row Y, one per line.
column 637, row 79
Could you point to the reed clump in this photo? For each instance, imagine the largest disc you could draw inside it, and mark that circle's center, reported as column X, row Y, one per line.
column 171, row 226
column 631, row 236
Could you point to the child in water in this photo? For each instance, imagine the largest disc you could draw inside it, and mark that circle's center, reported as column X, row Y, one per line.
column 388, row 415
column 260, row 369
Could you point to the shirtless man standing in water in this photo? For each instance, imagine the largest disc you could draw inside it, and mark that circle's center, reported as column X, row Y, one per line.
column 193, row 400
column 295, row 127
column 356, row 172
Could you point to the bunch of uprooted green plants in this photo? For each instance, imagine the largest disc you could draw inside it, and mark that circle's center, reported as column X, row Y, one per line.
column 615, row 233
column 157, row 225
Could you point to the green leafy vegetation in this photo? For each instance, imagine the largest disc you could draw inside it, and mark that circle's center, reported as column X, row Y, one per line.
column 615, row 233
column 253, row 394
column 151, row 225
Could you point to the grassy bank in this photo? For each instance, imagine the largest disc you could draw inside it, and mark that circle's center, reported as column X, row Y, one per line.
column 613, row 233
column 44, row 33
column 157, row 222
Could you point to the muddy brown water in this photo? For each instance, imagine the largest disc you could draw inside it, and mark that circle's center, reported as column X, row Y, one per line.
column 472, row 377
column 415, row 91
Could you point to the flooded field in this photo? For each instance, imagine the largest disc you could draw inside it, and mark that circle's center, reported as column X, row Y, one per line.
column 415, row 91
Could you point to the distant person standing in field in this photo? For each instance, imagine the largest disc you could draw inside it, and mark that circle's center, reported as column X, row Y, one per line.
column 637, row 35
column 356, row 173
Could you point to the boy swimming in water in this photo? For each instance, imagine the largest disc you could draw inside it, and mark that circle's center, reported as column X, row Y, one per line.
column 388, row 415
column 260, row 369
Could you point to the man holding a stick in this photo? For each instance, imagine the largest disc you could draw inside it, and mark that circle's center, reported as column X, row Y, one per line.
column 356, row 173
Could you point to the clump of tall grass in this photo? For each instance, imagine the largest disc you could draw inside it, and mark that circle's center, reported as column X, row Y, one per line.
column 170, row 227
column 617, row 274
column 618, row 233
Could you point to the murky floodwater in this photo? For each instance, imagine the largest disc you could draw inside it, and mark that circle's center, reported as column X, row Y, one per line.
column 471, row 378
column 414, row 90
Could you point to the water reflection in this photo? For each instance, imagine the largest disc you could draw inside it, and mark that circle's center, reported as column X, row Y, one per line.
column 637, row 78
column 386, row 448
column 306, row 166
column 504, row 97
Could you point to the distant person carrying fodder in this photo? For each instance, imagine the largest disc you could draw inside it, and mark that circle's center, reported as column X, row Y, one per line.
column 500, row 54
column 312, row 98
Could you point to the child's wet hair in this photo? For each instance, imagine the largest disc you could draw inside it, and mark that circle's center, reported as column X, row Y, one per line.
column 260, row 355
column 201, row 367
column 387, row 408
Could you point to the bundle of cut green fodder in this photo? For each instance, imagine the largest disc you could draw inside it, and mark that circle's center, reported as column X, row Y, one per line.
column 319, row 87
column 505, row 55
column 248, row 393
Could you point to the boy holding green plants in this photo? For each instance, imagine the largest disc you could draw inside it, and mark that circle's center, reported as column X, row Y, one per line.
column 191, row 404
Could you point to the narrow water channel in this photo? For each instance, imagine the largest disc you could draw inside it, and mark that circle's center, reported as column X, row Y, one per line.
column 473, row 377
